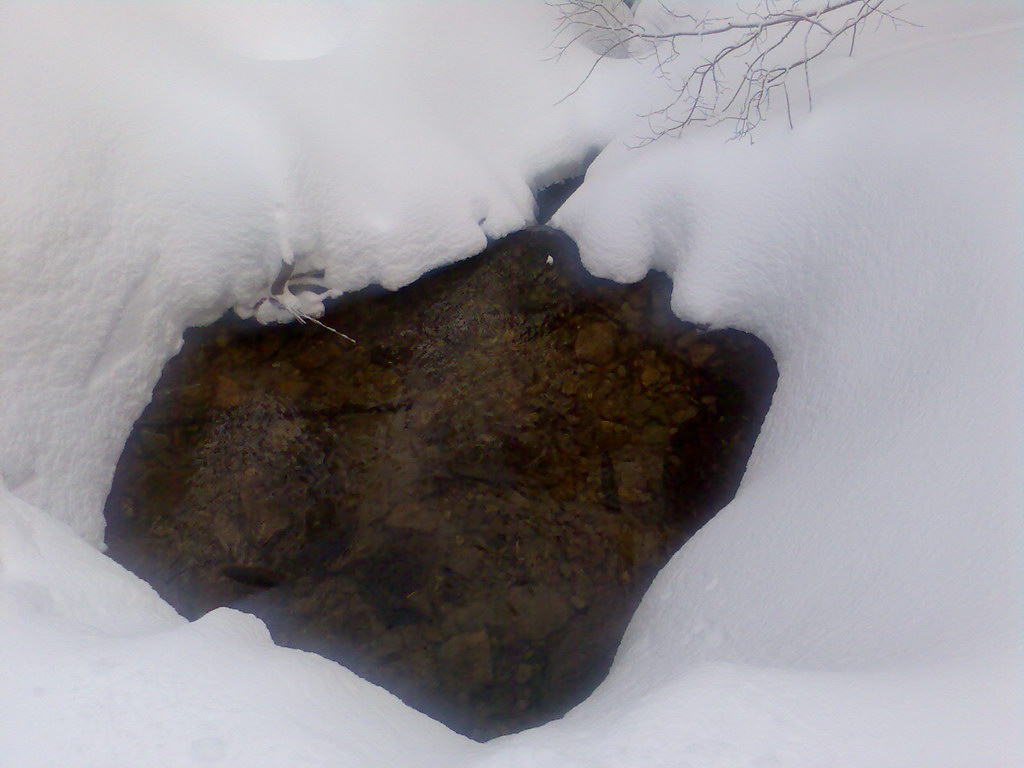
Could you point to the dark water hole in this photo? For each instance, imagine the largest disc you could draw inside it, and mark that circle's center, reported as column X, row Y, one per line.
column 467, row 505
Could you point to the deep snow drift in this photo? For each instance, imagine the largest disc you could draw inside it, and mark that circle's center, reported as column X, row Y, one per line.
column 857, row 604
column 158, row 165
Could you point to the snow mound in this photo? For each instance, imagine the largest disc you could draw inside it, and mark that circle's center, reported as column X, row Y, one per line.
column 160, row 163
column 858, row 604
column 875, row 544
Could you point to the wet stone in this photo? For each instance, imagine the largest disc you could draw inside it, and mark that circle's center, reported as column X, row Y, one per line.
column 595, row 343
column 467, row 505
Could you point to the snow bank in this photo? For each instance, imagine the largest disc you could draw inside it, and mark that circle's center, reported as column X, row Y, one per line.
column 99, row 671
column 875, row 546
column 857, row 604
column 159, row 162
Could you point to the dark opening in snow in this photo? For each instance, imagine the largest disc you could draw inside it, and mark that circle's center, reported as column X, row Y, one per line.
column 467, row 505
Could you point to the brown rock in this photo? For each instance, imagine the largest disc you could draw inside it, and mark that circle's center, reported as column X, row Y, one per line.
column 466, row 660
column 431, row 505
column 465, row 560
column 684, row 414
column 538, row 612
column 595, row 343
column 523, row 673
column 228, row 393
column 611, row 435
column 650, row 376
column 700, row 353
column 411, row 516
column 473, row 617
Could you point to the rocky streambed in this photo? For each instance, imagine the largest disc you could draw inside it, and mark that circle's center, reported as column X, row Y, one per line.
column 464, row 506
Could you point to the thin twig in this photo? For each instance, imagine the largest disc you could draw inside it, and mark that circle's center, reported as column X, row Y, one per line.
column 754, row 39
column 303, row 318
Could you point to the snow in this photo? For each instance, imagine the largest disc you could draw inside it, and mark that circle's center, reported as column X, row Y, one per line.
column 156, row 169
column 858, row 603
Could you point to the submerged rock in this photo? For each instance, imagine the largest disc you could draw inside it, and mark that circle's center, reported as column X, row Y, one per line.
column 466, row 505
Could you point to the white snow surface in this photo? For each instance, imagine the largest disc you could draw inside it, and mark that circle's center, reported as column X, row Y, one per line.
column 860, row 601
column 160, row 161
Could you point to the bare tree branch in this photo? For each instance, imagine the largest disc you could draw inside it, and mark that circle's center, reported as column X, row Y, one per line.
column 756, row 52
